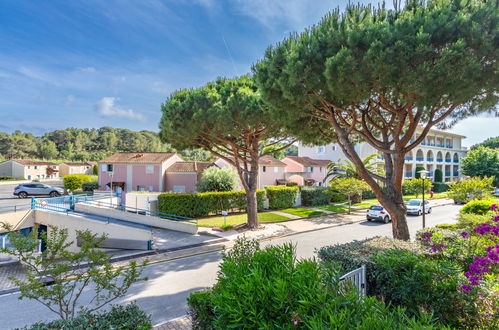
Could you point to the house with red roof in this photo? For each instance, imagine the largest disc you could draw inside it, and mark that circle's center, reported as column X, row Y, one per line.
column 306, row 171
column 29, row 169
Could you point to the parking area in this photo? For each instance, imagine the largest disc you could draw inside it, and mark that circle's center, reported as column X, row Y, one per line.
column 7, row 199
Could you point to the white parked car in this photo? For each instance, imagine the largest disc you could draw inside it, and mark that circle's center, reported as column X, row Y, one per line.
column 378, row 212
column 415, row 206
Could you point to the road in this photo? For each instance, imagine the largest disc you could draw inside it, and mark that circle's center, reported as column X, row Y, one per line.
column 164, row 294
column 7, row 199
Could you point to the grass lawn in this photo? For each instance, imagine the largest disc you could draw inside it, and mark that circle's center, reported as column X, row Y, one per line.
column 301, row 212
column 238, row 219
column 334, row 207
column 365, row 204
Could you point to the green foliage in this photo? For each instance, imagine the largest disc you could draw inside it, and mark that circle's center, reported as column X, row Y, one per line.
column 346, row 169
column 450, row 226
column 90, row 186
column 313, row 196
column 481, row 162
column 469, row 189
column 204, row 204
column 201, row 309
column 9, row 178
column 417, row 175
column 291, row 184
column 271, row 289
column 439, row 187
column 469, row 221
column 128, row 317
column 58, row 263
column 349, row 188
column 479, row 207
column 281, row 197
column 218, row 179
column 75, row 181
column 439, row 176
column 492, row 142
column 415, row 186
column 95, row 170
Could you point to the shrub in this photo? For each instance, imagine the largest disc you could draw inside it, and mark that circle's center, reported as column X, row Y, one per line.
column 218, row 179
column 201, row 309
column 480, row 207
column 75, row 181
column 204, row 204
column 469, row 189
column 291, row 184
column 281, row 197
column 469, row 220
column 415, row 186
column 312, row 196
column 350, row 188
column 417, row 175
column 95, row 170
column 119, row 317
column 9, row 178
column 449, row 226
column 90, row 186
column 439, row 187
column 270, row 289
column 439, row 176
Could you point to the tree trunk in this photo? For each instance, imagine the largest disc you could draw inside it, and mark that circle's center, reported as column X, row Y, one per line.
column 252, row 208
column 393, row 201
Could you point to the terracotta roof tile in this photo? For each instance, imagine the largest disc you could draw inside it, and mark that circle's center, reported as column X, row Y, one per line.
column 138, row 157
column 187, row 166
column 80, row 164
column 32, row 162
column 270, row 161
column 307, row 161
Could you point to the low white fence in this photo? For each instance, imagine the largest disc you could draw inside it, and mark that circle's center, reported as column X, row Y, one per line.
column 357, row 278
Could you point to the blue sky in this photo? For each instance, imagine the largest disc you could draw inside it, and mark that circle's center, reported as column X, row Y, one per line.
column 113, row 62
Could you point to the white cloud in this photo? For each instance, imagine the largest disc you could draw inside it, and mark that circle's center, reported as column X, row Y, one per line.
column 69, row 100
column 87, row 69
column 106, row 108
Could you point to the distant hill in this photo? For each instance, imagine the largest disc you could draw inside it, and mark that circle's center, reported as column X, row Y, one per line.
column 492, row 142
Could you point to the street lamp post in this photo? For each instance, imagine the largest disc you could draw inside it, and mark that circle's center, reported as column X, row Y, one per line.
column 423, row 174
column 111, row 186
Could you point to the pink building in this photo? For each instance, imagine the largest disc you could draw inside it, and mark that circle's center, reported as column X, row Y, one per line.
column 305, row 171
column 135, row 171
column 271, row 171
column 183, row 176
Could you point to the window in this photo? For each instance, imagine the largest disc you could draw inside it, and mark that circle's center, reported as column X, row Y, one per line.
column 28, row 167
column 310, row 169
column 334, row 148
column 36, row 167
column 179, row 189
column 109, row 167
column 264, row 169
column 141, row 188
column 276, row 169
column 150, row 169
column 151, row 188
column 321, row 149
column 104, row 167
column 29, row 177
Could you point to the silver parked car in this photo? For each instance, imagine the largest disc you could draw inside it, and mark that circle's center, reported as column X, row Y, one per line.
column 378, row 212
column 415, row 206
column 37, row 189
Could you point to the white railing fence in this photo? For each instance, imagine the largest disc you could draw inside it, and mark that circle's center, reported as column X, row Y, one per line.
column 357, row 278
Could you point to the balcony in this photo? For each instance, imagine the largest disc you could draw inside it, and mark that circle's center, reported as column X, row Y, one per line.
column 408, row 158
column 408, row 174
column 447, row 173
column 430, row 175
column 448, row 160
column 440, row 145
column 456, row 161
column 429, row 159
column 456, row 173
column 440, row 160
column 420, row 159
column 450, row 147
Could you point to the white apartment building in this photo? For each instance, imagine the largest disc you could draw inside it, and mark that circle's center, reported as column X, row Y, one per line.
column 440, row 150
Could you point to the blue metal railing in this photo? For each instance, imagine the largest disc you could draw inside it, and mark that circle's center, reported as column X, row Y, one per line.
column 419, row 159
column 456, row 173
column 440, row 160
column 408, row 174
column 429, row 159
column 163, row 215
column 408, row 158
column 456, row 160
column 66, row 203
column 447, row 160
column 447, row 173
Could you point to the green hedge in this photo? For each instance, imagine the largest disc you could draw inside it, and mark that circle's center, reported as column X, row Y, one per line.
column 129, row 317
column 75, row 181
column 479, row 207
column 9, row 178
column 313, row 196
column 203, row 204
column 439, row 187
column 281, row 197
column 90, row 186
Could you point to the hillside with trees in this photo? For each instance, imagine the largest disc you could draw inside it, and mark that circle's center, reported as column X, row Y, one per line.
column 87, row 144
column 492, row 142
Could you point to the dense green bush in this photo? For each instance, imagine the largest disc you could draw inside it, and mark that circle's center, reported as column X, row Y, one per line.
column 415, row 186
column 270, row 289
column 119, row 317
column 313, row 196
column 439, row 187
column 75, row 181
column 480, row 207
column 218, row 179
column 471, row 188
column 281, row 197
column 95, row 170
column 403, row 274
column 204, row 204
column 9, row 178
column 417, row 175
column 90, row 186
column 291, row 184
column 469, row 220
column 439, row 176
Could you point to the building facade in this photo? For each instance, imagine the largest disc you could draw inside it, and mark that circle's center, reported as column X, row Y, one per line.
column 69, row 168
column 439, row 150
column 306, row 171
column 183, row 176
column 29, row 169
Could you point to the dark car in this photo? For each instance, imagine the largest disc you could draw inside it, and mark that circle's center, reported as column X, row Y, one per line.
column 37, row 189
